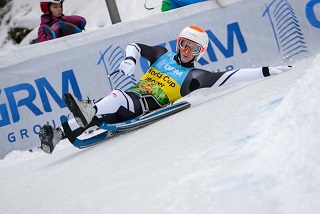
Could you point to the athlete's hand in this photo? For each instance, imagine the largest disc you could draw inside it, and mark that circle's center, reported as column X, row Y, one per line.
column 127, row 67
column 279, row 69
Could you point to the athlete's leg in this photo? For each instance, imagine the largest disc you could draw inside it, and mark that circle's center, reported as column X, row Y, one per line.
column 115, row 107
column 50, row 137
column 119, row 106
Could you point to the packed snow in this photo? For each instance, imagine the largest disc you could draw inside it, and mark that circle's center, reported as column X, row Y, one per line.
column 247, row 148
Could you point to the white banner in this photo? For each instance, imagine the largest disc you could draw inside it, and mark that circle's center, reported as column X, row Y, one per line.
column 245, row 34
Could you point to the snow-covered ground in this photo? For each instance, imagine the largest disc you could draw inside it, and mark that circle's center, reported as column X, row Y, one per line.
column 248, row 148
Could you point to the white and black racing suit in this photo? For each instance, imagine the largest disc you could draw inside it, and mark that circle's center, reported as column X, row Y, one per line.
column 166, row 80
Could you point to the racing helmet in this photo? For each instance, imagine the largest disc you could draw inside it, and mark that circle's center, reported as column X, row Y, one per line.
column 44, row 5
column 195, row 39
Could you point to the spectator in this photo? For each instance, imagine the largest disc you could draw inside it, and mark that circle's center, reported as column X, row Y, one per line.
column 173, row 4
column 55, row 24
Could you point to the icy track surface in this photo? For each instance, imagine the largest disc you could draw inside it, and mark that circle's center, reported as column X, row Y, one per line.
column 249, row 148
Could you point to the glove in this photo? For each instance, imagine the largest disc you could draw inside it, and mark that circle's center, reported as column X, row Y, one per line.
column 82, row 24
column 127, row 67
column 49, row 32
column 222, row 3
column 279, row 69
column 68, row 28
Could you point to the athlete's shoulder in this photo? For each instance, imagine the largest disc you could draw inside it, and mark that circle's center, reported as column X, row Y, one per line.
column 160, row 49
column 152, row 53
column 155, row 49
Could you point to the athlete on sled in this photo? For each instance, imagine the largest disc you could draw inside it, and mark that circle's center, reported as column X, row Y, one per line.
column 169, row 77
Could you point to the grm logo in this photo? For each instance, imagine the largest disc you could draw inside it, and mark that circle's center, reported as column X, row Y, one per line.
column 234, row 36
column 29, row 94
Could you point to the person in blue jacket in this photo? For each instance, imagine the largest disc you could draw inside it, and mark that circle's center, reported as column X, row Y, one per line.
column 173, row 4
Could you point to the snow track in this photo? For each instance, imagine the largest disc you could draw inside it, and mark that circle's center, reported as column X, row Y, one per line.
column 238, row 149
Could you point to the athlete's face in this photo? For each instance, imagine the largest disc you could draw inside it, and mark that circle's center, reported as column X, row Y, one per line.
column 186, row 55
column 56, row 9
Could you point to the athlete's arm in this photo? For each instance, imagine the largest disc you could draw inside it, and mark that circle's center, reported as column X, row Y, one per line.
column 199, row 78
column 134, row 51
column 249, row 74
column 150, row 53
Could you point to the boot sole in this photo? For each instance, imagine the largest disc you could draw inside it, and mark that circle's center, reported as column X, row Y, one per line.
column 46, row 137
column 73, row 107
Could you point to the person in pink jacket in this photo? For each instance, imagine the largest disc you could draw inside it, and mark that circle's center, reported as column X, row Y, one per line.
column 55, row 24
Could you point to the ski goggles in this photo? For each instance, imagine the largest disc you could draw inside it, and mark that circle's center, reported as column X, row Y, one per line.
column 193, row 47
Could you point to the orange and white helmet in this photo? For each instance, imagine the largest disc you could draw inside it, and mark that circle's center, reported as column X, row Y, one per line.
column 44, row 5
column 195, row 39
